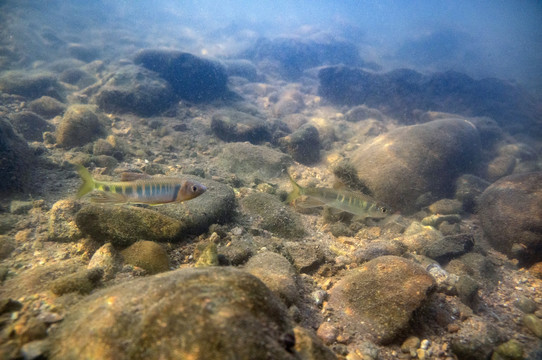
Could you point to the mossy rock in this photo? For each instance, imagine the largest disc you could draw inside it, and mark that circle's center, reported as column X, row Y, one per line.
column 147, row 255
column 79, row 126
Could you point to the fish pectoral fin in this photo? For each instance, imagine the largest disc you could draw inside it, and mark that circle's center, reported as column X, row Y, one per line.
column 103, row 197
column 133, row 176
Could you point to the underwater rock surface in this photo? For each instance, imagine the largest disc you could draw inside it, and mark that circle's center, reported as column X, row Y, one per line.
column 211, row 313
column 192, row 78
column 400, row 92
column 15, row 159
column 79, row 126
column 132, row 89
column 511, row 216
column 378, row 298
column 408, row 162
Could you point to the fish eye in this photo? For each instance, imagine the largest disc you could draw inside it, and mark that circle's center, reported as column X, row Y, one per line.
column 194, row 188
column 384, row 210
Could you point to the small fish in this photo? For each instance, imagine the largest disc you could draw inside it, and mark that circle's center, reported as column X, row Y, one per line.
column 354, row 203
column 139, row 189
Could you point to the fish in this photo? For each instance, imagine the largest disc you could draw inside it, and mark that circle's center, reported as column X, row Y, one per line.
column 352, row 202
column 139, row 189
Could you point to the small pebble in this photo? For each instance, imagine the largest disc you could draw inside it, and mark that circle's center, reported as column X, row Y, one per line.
column 328, row 333
column 425, row 344
column 534, row 324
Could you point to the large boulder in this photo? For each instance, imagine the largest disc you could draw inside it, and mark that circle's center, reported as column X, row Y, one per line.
column 402, row 165
column 192, row 78
column 511, row 216
column 379, row 298
column 15, row 159
column 291, row 57
column 402, row 93
column 211, row 313
column 134, row 90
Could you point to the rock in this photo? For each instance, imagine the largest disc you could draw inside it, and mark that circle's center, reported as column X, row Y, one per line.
column 468, row 189
column 290, row 102
column 410, row 345
column 83, row 52
column 31, row 86
column 467, row 290
column 303, row 144
column 35, row 350
column 378, row 248
column 79, row 126
column 417, row 237
column 242, row 68
column 446, row 206
column 218, row 312
column 233, row 125
column 250, row 161
column 83, row 282
column 510, row 350
column 192, row 78
column 327, row 333
column 450, row 247
column 15, row 159
column 77, row 77
column 124, row 225
column 510, row 213
column 533, row 323
column 30, row 125
column 378, row 298
column 20, row 207
column 501, row 166
column 475, row 339
column 309, row 347
column 276, row 273
column 7, row 245
column 7, row 223
column 147, row 255
column 132, row 89
column 62, row 226
column 272, row 215
column 108, row 259
column 238, row 251
column 208, row 256
column 408, row 162
column 362, row 112
column 436, row 220
column 291, row 57
column 525, row 304
column 402, row 93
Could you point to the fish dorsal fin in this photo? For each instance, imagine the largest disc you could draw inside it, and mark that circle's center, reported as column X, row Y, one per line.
column 133, row 176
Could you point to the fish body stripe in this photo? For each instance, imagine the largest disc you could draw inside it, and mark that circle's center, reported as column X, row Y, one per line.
column 176, row 191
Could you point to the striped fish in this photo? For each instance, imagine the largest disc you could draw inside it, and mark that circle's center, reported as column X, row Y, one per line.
column 139, row 189
column 352, row 202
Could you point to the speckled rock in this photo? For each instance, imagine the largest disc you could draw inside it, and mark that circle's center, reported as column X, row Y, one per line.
column 303, row 144
column 191, row 78
column 47, row 107
column 20, row 207
column 61, row 223
column 30, row 125
column 15, row 159
column 232, row 125
column 132, row 89
column 510, row 350
column 217, row 312
column 510, row 213
column 475, row 339
column 108, row 259
column 306, row 257
column 272, row 215
column 500, row 166
column 417, row 237
column 83, row 281
column 377, row 248
column 400, row 166
column 31, row 86
column 79, row 125
column 249, row 161
column 378, row 298
column 446, row 206
column 124, row 225
column 468, row 189
column 147, row 255
column 276, row 273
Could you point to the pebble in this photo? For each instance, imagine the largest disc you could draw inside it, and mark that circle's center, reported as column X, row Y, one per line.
column 534, row 324
column 525, row 304
column 327, row 333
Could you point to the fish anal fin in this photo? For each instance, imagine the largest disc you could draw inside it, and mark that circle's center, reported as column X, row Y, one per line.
column 133, row 176
column 103, row 197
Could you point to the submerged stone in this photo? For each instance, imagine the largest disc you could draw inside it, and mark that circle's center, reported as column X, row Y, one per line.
column 303, row 144
column 233, row 125
column 30, row 125
column 379, row 298
column 218, row 313
column 15, row 159
column 79, row 126
column 147, row 255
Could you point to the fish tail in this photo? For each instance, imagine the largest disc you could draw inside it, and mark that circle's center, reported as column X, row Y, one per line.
column 88, row 182
column 296, row 192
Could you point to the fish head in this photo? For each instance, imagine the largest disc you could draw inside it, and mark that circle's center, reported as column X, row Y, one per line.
column 380, row 210
column 189, row 190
